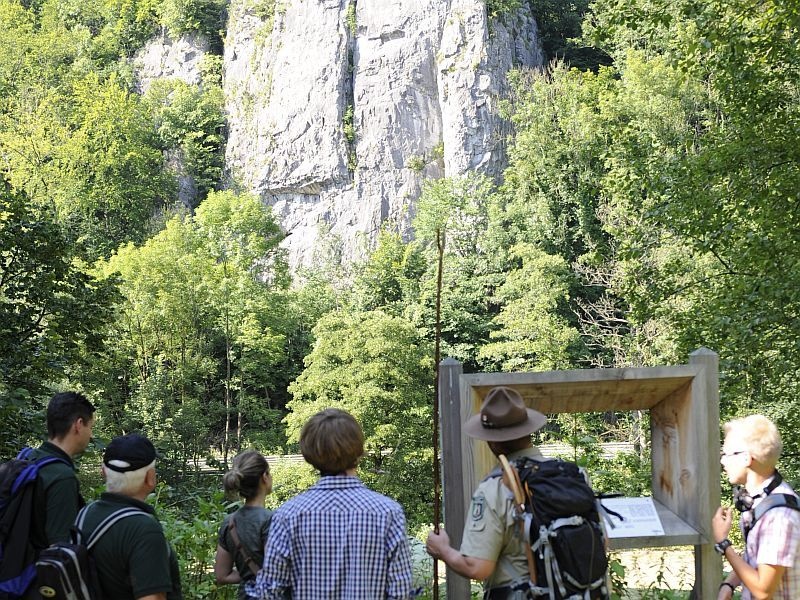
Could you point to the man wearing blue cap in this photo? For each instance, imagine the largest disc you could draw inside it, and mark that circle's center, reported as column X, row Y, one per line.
column 133, row 559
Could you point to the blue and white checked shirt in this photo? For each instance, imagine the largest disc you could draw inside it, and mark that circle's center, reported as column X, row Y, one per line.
column 336, row 540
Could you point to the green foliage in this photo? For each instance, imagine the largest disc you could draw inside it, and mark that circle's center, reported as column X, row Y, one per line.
column 531, row 334
column 416, row 163
column 702, row 211
column 648, row 208
column 265, row 10
column 349, row 131
column 459, row 212
column 348, row 128
column 350, row 18
column 52, row 313
column 376, row 367
column 456, row 207
column 89, row 151
column 288, row 480
column 390, row 277
column 554, row 180
column 616, row 573
column 498, row 8
column 626, row 473
column 560, row 26
column 648, row 26
column 197, row 340
column 125, row 26
column 201, row 16
column 189, row 121
column 194, row 539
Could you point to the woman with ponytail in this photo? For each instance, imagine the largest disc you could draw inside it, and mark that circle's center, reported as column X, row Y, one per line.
column 240, row 545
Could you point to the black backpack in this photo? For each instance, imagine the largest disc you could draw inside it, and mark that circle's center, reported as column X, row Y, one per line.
column 767, row 504
column 563, row 527
column 66, row 571
column 17, row 555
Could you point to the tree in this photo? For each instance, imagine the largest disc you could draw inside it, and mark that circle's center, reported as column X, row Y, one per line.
column 53, row 313
column 531, row 334
column 89, row 153
column 242, row 238
column 196, row 337
column 189, row 122
column 390, row 277
column 725, row 196
column 692, row 183
column 453, row 217
column 379, row 369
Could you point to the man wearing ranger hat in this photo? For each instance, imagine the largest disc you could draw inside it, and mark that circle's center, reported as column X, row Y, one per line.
column 490, row 551
column 133, row 559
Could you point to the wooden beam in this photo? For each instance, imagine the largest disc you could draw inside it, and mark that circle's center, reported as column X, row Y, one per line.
column 589, row 390
column 705, row 428
column 450, row 371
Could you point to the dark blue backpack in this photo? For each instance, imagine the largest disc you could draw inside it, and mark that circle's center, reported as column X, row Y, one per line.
column 17, row 554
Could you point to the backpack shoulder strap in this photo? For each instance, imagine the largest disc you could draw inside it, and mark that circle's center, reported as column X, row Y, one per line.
column 31, row 472
column 25, row 453
column 519, row 463
column 511, row 479
column 251, row 564
column 106, row 523
column 775, row 501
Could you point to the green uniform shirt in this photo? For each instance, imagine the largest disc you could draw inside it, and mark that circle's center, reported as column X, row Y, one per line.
column 489, row 532
column 252, row 525
column 57, row 498
column 133, row 558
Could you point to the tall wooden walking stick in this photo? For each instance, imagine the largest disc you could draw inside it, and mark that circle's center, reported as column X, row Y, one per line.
column 437, row 358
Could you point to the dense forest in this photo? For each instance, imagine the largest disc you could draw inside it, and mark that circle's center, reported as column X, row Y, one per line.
column 651, row 206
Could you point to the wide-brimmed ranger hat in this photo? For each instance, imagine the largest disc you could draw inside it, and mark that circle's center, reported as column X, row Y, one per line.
column 503, row 417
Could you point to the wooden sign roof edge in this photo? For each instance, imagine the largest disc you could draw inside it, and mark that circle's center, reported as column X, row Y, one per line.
column 612, row 376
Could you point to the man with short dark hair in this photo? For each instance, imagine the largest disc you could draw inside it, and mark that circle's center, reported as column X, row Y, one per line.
column 70, row 418
column 491, row 550
column 337, row 539
column 133, row 559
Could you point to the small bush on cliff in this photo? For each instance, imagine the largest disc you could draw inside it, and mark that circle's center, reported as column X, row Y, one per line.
column 497, row 8
column 206, row 17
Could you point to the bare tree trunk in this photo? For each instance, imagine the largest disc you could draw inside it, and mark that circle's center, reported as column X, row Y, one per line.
column 239, row 422
column 226, row 438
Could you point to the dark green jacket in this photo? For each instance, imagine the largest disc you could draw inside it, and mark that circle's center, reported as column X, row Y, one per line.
column 57, row 498
column 133, row 558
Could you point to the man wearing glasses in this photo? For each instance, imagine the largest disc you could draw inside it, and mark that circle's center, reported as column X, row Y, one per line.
column 770, row 521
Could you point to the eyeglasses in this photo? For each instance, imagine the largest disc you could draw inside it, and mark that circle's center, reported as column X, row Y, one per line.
column 729, row 454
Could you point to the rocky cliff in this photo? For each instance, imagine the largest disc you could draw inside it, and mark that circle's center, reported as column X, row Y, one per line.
column 340, row 109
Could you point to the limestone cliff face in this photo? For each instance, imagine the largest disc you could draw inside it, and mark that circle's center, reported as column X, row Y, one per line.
column 338, row 110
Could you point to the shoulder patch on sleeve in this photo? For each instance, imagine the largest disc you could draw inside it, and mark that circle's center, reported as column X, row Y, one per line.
column 477, row 512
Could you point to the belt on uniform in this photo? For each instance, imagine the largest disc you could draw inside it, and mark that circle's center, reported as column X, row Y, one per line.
column 503, row 592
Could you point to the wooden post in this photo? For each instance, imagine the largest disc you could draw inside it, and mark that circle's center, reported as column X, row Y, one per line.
column 450, row 370
column 705, row 394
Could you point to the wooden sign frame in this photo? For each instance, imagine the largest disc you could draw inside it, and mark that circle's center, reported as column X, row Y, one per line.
column 683, row 402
